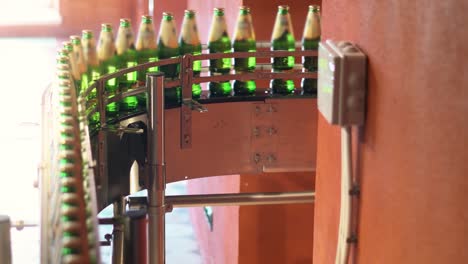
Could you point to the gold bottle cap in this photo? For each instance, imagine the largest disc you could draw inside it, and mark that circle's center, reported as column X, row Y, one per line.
column 106, row 27
column 146, row 19
column 87, row 34
column 314, row 8
column 125, row 22
column 219, row 11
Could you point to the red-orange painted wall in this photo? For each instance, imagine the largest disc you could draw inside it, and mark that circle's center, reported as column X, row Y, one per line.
column 414, row 158
column 221, row 244
column 175, row 7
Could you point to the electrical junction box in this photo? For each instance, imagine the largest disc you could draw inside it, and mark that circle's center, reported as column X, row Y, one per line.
column 341, row 83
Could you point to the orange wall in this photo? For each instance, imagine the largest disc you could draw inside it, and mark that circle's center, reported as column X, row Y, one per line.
column 414, row 158
column 221, row 244
column 176, row 7
column 276, row 234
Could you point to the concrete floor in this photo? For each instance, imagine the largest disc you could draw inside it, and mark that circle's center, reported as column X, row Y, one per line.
column 27, row 66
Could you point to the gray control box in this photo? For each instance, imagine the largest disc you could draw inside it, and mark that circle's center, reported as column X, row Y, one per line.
column 342, row 83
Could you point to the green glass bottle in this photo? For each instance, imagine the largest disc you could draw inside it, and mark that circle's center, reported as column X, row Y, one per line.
column 282, row 39
column 78, row 57
column 169, row 48
column 127, row 57
column 244, row 41
column 219, row 42
column 189, row 42
column 92, row 62
column 310, row 41
column 76, row 74
column 167, row 45
column 108, row 63
column 146, row 51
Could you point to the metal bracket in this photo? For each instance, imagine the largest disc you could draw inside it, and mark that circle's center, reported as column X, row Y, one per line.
column 264, row 135
column 187, row 103
column 185, row 126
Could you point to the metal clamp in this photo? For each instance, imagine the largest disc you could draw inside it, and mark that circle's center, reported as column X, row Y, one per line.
column 119, row 130
column 196, row 106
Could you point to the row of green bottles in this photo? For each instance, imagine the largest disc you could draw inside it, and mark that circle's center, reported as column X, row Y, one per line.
column 219, row 42
column 283, row 39
column 111, row 55
column 123, row 53
column 72, row 225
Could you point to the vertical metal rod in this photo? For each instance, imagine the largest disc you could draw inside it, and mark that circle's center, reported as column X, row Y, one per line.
column 5, row 242
column 156, row 163
column 118, row 232
column 102, row 140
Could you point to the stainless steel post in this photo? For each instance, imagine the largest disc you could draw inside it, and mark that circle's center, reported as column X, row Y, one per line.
column 5, row 242
column 156, row 173
column 118, row 232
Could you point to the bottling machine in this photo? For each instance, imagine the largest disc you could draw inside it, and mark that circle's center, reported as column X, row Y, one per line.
column 171, row 142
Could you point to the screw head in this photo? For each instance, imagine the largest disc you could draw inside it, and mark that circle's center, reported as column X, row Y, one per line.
column 257, row 157
column 271, row 158
column 256, row 132
column 108, row 237
column 272, row 131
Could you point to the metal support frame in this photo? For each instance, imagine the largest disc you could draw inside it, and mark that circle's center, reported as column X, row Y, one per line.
column 156, row 173
column 140, row 203
column 240, row 199
column 118, row 233
column 102, row 138
column 224, row 199
column 157, row 204
column 5, row 242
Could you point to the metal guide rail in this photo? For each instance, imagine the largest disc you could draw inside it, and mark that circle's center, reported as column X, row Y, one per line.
column 223, row 136
column 189, row 139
